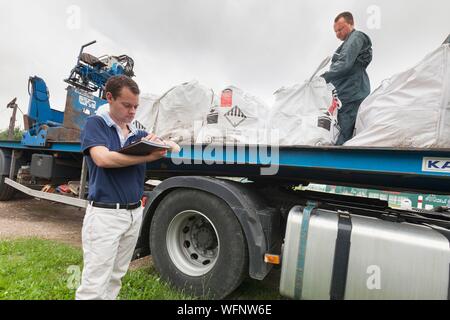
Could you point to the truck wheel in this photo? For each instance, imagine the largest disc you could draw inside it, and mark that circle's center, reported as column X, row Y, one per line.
column 198, row 245
column 6, row 191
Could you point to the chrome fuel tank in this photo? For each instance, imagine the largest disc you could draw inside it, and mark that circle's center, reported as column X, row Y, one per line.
column 334, row 255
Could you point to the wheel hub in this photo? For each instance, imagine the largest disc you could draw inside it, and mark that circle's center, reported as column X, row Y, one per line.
column 192, row 243
column 204, row 237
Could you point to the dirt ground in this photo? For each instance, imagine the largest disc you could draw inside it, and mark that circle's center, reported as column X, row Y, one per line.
column 28, row 217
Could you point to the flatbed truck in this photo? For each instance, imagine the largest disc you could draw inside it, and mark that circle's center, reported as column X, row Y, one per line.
column 219, row 214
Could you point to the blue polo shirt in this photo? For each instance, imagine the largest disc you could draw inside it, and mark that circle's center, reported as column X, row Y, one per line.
column 112, row 185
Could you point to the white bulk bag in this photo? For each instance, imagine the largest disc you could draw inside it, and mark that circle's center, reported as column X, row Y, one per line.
column 238, row 118
column 411, row 109
column 306, row 114
column 145, row 115
column 179, row 110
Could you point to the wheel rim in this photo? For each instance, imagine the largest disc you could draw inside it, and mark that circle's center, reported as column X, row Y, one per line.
column 192, row 243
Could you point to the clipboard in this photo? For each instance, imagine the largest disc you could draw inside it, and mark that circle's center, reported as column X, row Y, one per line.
column 143, row 148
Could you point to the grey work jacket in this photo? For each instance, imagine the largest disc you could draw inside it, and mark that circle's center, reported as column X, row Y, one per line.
column 348, row 69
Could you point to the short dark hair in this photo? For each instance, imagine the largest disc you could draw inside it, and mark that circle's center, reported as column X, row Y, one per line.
column 116, row 83
column 347, row 16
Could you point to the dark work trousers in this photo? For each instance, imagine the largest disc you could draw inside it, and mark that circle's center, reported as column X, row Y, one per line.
column 346, row 119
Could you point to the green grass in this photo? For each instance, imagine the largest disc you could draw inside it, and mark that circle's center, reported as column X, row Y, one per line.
column 35, row 269
column 145, row 284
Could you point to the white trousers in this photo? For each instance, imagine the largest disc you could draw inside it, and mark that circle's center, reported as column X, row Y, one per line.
column 109, row 238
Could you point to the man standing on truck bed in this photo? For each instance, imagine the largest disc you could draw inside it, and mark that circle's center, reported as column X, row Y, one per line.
column 116, row 186
column 348, row 72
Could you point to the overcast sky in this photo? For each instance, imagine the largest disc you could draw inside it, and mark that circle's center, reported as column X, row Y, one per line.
column 257, row 45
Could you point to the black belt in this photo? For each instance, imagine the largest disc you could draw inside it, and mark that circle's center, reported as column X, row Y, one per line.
column 129, row 206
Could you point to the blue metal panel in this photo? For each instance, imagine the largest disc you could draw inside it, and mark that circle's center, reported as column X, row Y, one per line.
column 390, row 169
column 35, row 140
column 368, row 160
column 66, row 147
column 394, row 169
column 79, row 106
column 57, row 116
column 405, row 161
column 39, row 106
column 60, row 147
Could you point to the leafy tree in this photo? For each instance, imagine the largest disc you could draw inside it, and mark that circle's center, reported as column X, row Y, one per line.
column 17, row 134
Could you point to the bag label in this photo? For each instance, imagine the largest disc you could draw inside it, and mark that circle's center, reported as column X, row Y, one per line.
column 212, row 117
column 324, row 122
column 436, row 165
column 226, row 101
column 235, row 116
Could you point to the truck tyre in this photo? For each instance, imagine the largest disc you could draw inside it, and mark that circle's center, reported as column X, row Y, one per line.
column 198, row 245
column 6, row 191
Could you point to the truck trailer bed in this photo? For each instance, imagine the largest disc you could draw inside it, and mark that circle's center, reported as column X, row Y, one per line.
column 413, row 170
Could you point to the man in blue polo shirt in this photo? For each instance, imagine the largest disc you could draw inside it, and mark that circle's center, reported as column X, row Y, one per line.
column 116, row 185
